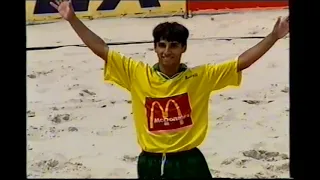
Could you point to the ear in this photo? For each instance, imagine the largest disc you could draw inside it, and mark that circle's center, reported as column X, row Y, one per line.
column 155, row 47
column 184, row 49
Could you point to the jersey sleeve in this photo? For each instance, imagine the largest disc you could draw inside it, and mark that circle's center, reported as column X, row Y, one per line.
column 120, row 69
column 223, row 75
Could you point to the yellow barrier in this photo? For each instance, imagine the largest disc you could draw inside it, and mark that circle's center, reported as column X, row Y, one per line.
column 39, row 11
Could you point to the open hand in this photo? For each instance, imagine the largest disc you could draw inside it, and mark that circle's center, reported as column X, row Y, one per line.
column 281, row 28
column 65, row 9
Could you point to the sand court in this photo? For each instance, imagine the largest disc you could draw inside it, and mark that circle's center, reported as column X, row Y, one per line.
column 80, row 127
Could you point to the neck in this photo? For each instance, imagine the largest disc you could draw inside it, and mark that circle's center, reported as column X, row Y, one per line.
column 169, row 70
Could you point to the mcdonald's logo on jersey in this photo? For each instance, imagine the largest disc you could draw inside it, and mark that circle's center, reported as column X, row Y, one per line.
column 168, row 114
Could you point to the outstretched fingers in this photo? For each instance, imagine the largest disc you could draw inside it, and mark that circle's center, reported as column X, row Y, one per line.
column 54, row 5
column 278, row 21
column 287, row 19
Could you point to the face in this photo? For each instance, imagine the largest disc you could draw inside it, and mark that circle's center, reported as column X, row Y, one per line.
column 169, row 53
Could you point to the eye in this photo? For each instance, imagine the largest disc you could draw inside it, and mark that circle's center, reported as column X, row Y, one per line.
column 174, row 45
column 162, row 45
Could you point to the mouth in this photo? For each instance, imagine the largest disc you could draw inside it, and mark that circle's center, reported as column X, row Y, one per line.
column 166, row 58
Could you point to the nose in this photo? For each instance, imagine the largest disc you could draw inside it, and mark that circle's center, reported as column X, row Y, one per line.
column 167, row 50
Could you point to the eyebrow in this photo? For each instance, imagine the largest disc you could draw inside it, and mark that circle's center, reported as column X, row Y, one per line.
column 168, row 41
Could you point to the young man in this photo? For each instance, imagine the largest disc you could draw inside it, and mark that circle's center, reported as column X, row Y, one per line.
column 170, row 100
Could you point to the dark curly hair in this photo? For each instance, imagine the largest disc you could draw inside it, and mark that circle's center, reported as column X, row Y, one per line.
column 170, row 31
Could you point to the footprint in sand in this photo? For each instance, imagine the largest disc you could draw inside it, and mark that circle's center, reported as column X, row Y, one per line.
column 262, row 175
column 59, row 118
column 228, row 161
column 227, row 175
column 103, row 106
column 52, row 164
column 55, row 108
column 29, row 148
column 265, row 155
column 285, row 89
column 86, row 91
column 238, row 162
column 116, row 127
column 226, row 97
column 35, row 134
column 31, row 113
column 215, row 173
column 43, row 162
column 42, row 133
column 127, row 158
column 34, row 75
column 138, row 55
column 74, row 86
column 73, row 129
column 257, row 102
column 278, row 168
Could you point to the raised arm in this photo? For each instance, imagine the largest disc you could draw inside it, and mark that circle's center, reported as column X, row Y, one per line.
column 118, row 68
column 246, row 59
column 89, row 38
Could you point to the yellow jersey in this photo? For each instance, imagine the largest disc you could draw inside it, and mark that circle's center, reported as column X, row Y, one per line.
column 170, row 115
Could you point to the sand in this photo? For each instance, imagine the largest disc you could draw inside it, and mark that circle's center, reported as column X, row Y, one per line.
column 80, row 127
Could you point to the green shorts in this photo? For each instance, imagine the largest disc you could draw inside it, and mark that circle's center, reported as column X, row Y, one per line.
column 186, row 164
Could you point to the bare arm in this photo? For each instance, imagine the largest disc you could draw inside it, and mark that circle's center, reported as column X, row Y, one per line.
column 250, row 56
column 89, row 38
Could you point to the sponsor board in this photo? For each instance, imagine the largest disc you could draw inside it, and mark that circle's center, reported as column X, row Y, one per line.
column 169, row 114
column 41, row 11
column 230, row 5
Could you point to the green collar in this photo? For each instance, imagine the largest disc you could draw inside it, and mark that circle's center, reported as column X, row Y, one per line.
column 183, row 67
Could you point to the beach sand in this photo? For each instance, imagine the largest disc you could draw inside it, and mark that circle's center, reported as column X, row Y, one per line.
column 80, row 127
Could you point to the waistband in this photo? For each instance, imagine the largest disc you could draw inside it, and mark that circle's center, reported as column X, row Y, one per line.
column 181, row 153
